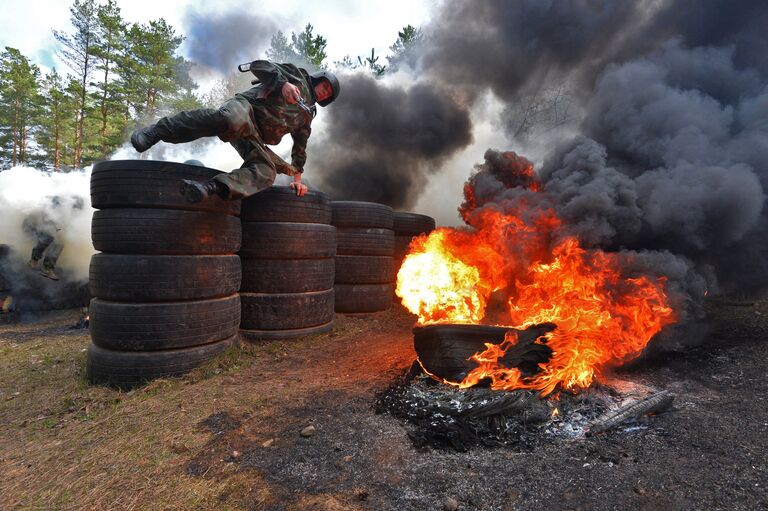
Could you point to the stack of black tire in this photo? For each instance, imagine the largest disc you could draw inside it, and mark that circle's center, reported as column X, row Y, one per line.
column 287, row 254
column 364, row 263
column 407, row 226
column 165, row 283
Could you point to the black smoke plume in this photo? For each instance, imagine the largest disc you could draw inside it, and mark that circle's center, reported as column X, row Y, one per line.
column 671, row 98
column 670, row 163
column 383, row 140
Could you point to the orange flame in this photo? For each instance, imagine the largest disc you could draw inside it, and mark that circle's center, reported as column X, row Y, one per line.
column 603, row 316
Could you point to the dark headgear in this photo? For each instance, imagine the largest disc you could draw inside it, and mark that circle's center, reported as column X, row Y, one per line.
column 326, row 75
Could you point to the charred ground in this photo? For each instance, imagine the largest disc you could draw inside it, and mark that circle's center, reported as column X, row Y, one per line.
column 228, row 435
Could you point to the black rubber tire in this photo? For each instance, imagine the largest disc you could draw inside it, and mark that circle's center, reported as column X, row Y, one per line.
column 287, row 275
column 127, row 369
column 365, row 242
column 363, row 297
column 4, row 251
column 362, row 214
column 412, row 224
column 164, row 232
column 151, row 184
column 275, row 335
column 284, row 240
column 286, row 311
column 162, row 326
column 445, row 350
column 364, row 269
column 142, row 278
column 402, row 246
column 281, row 204
column 396, row 265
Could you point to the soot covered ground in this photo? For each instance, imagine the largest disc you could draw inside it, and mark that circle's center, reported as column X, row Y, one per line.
column 706, row 453
column 232, row 438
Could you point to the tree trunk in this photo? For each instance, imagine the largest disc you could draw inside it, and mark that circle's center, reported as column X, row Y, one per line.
column 79, row 131
column 15, row 130
column 22, row 144
column 103, row 130
column 56, row 122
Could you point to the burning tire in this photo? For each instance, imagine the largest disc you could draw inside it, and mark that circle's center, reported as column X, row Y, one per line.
column 164, row 232
column 283, row 240
column 362, row 214
column 412, row 224
column 352, row 298
column 445, row 350
column 275, row 335
column 365, row 241
column 151, row 184
column 147, row 278
column 127, row 369
column 280, row 204
column 287, row 311
column 364, row 269
column 287, row 275
column 161, row 326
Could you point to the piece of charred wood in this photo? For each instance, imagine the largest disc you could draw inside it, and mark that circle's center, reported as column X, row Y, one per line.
column 655, row 403
column 445, row 349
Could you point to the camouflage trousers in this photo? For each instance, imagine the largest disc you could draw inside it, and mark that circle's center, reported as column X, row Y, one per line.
column 233, row 122
column 47, row 246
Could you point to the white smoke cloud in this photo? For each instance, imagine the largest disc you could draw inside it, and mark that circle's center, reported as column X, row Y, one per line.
column 26, row 191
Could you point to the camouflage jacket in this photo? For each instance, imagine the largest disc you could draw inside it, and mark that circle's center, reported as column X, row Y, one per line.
column 273, row 116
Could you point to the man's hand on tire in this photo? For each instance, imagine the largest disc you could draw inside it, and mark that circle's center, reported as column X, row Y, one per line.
column 296, row 184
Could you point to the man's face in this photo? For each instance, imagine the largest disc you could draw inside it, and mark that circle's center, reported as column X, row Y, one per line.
column 323, row 90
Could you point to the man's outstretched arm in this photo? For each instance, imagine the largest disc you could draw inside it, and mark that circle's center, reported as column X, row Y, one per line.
column 299, row 157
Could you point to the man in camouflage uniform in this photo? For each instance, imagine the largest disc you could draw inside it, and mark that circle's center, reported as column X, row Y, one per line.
column 282, row 102
column 45, row 231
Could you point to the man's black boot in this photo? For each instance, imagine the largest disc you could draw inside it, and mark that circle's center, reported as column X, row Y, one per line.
column 195, row 191
column 144, row 138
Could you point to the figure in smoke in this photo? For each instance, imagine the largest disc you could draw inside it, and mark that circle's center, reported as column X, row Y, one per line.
column 282, row 102
column 45, row 232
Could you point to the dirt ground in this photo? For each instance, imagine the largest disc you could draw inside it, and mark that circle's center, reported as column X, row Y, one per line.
column 227, row 436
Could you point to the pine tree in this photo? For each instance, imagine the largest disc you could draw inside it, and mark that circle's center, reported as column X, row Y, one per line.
column 52, row 119
column 310, row 47
column 184, row 98
column 345, row 63
column 107, row 48
column 372, row 63
column 78, row 55
column 280, row 50
column 20, row 103
column 408, row 40
column 150, row 68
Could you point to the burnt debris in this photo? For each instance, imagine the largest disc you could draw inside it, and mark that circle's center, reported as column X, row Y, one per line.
column 444, row 417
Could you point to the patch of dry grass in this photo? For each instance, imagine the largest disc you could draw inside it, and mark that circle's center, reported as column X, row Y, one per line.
column 71, row 445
